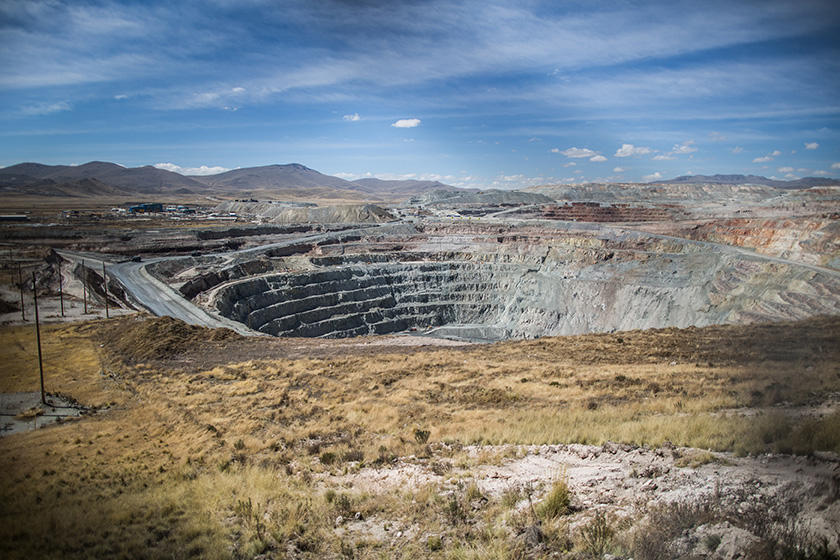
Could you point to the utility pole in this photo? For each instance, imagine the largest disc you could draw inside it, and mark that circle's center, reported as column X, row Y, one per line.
column 84, row 284
column 20, row 285
column 38, row 339
column 105, row 285
column 60, row 289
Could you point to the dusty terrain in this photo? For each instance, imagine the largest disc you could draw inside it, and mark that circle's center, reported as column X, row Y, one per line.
column 697, row 413
column 202, row 443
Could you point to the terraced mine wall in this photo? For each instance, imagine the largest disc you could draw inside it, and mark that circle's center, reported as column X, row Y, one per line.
column 526, row 287
column 594, row 212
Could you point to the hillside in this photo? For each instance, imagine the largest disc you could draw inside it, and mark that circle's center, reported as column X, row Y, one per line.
column 273, row 177
column 803, row 183
column 291, row 180
column 408, row 186
column 146, row 179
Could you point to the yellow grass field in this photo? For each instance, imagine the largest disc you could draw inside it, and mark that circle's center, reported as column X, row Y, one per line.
column 222, row 459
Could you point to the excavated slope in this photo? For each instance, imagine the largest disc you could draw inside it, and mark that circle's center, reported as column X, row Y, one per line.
column 526, row 291
column 284, row 213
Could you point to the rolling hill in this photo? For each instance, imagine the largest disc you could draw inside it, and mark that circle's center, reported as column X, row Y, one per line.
column 292, row 180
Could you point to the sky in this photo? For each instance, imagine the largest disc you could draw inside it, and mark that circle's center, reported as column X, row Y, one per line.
column 471, row 93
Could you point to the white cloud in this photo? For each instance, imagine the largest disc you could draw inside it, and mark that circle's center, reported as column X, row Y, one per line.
column 821, row 173
column 686, row 147
column 598, row 158
column 406, row 123
column 569, row 164
column 785, row 170
column 576, row 152
column 627, row 150
column 238, row 90
column 121, row 96
column 618, row 170
column 737, row 150
column 44, row 108
column 835, row 165
column 768, row 157
column 353, row 117
column 201, row 170
column 653, row 176
column 811, row 145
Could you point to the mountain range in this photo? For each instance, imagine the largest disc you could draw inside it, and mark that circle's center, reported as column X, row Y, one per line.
column 292, row 180
column 99, row 178
column 803, row 183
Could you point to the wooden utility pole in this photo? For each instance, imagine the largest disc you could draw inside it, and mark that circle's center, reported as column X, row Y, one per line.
column 84, row 284
column 20, row 284
column 38, row 339
column 105, row 285
column 60, row 289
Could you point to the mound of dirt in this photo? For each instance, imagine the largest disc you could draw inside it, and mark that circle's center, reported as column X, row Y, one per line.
column 284, row 213
column 143, row 339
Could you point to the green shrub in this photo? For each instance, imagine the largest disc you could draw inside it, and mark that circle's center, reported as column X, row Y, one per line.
column 558, row 500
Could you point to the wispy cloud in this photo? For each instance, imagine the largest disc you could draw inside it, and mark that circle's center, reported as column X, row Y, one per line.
column 406, row 123
column 353, row 117
column 811, row 145
column 627, row 150
column 653, row 176
column 200, row 170
column 768, row 157
column 576, row 152
column 599, row 158
column 44, row 108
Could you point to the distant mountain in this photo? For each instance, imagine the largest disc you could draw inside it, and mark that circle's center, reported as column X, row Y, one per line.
column 293, row 179
column 270, row 177
column 49, row 187
column 804, row 183
column 146, row 179
column 407, row 186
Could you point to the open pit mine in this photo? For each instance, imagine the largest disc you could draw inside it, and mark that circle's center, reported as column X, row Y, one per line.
column 492, row 281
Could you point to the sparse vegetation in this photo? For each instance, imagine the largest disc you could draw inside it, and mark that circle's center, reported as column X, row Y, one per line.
column 596, row 536
column 234, row 458
column 558, row 500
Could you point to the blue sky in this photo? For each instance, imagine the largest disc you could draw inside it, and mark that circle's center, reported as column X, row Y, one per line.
column 486, row 94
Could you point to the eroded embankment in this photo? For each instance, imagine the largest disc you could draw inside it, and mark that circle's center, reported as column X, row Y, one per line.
column 526, row 285
column 811, row 240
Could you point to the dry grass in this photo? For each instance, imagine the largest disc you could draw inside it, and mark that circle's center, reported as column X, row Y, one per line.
column 170, row 468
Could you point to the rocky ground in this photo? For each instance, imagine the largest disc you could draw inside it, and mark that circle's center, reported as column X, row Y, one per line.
column 722, row 496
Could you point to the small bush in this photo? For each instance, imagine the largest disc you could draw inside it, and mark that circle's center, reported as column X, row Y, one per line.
column 353, row 455
column 328, row 458
column 556, row 503
column 596, row 536
column 473, row 492
column 434, row 543
column 421, row 436
column 558, row 500
column 511, row 496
